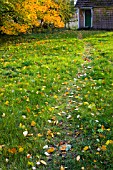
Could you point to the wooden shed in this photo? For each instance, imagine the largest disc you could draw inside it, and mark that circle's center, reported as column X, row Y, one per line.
column 96, row 14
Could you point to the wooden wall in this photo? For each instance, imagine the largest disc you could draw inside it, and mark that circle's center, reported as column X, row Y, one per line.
column 102, row 18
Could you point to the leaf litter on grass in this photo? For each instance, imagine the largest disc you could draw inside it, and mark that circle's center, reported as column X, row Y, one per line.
column 73, row 133
column 86, row 130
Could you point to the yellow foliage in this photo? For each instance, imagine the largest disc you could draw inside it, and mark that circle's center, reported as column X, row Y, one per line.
column 28, row 14
column 85, row 148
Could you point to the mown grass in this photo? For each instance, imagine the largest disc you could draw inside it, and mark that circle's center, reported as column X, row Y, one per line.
column 56, row 90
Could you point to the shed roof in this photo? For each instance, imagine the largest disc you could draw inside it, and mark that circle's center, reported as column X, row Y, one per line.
column 94, row 3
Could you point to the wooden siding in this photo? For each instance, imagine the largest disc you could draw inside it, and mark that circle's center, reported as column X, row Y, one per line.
column 81, row 18
column 103, row 18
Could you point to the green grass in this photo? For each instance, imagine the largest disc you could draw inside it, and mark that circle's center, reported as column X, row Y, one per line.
column 59, row 88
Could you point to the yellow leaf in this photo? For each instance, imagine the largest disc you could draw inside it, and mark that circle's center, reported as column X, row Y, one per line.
column 49, row 133
column 21, row 149
column 94, row 161
column 43, row 162
column 85, row 148
column 27, row 99
column 39, row 135
column 33, row 123
column 51, row 109
column 62, row 168
column 111, row 141
column 30, row 163
column 55, row 96
column 66, row 93
column 22, row 126
column 50, row 150
column 7, row 103
column 108, row 142
column 103, row 148
column 65, row 83
column 86, row 103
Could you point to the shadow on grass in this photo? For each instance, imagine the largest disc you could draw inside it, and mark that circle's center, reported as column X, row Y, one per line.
column 56, row 34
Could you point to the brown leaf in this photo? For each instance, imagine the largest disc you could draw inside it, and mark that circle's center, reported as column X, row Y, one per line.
column 13, row 150
column 103, row 148
column 28, row 110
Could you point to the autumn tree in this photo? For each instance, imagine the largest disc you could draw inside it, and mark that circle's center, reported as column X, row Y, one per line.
column 66, row 9
column 22, row 15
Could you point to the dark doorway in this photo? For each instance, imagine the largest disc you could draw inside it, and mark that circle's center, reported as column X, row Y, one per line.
column 88, row 18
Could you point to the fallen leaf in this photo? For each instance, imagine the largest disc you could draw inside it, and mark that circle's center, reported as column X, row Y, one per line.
column 28, row 110
column 45, row 147
column 94, row 161
column 37, row 163
column 108, row 142
column 21, row 149
column 33, row 123
column 86, row 103
column 39, row 135
column 108, row 129
column 30, row 163
column 13, row 150
column 55, row 96
column 78, row 158
column 111, row 141
column 69, row 117
column 103, row 148
column 102, row 127
column 101, row 135
column 65, row 83
column 62, row 168
column 25, row 133
column 7, row 103
column 30, row 134
column 27, row 99
column 85, row 148
column 1, row 146
column 43, row 162
column 47, row 154
column 49, row 133
column 29, row 156
column 65, row 147
column 51, row 150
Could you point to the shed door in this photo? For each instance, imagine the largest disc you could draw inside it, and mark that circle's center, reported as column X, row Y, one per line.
column 88, row 18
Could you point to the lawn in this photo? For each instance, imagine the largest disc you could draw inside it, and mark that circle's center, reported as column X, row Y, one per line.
column 56, row 101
